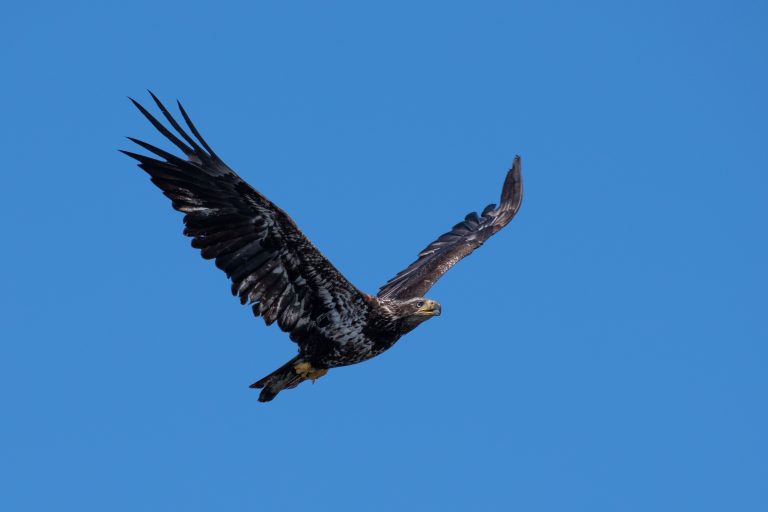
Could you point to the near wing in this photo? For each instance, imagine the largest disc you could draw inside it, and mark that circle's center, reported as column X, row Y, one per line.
column 269, row 260
column 460, row 241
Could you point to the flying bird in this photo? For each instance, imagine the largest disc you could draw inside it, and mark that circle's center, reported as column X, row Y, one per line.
column 279, row 272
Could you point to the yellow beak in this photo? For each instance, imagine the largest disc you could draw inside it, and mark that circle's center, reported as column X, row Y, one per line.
column 430, row 308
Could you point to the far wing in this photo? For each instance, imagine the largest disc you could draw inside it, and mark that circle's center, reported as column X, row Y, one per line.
column 460, row 241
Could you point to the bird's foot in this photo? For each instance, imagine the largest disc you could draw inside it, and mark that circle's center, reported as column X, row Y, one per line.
column 306, row 371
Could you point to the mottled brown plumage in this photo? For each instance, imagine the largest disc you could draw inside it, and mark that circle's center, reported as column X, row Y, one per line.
column 284, row 278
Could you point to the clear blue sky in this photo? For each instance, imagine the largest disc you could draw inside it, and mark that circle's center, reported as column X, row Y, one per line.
column 606, row 352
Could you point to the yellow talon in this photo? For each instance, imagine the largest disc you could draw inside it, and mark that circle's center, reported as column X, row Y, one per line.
column 302, row 368
column 306, row 371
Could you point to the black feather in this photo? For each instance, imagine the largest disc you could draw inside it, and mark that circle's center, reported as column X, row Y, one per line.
column 197, row 149
column 162, row 129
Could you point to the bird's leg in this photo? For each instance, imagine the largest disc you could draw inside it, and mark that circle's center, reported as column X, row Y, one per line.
column 306, row 371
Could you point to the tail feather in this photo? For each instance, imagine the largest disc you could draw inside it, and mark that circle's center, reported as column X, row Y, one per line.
column 284, row 377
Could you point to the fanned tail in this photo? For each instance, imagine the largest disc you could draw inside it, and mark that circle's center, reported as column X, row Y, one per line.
column 284, row 377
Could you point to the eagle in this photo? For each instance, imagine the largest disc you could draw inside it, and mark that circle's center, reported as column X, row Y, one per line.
column 275, row 269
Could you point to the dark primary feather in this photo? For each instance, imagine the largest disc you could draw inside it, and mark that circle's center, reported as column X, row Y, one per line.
column 466, row 236
column 270, row 262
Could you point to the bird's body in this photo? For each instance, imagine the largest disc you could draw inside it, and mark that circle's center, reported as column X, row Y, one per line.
column 381, row 325
column 285, row 278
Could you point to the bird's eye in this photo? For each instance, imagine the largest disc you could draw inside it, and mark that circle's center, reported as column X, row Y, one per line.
column 420, row 303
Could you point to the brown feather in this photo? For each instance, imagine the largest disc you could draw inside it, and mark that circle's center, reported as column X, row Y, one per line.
column 449, row 248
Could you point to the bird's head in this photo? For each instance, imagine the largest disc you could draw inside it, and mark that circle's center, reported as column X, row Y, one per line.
column 419, row 309
column 409, row 313
column 425, row 307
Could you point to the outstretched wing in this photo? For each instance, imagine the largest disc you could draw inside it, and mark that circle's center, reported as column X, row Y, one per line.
column 460, row 241
column 271, row 263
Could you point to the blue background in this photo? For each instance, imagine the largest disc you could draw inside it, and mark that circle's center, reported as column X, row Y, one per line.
column 605, row 352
